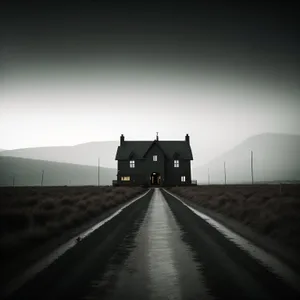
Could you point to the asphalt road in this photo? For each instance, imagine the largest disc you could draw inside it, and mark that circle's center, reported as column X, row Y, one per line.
column 157, row 248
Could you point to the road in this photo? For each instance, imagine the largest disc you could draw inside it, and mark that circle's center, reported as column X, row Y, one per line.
column 157, row 248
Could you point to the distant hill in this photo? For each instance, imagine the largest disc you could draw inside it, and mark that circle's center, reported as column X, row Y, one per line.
column 29, row 172
column 83, row 154
column 2, row 150
column 276, row 157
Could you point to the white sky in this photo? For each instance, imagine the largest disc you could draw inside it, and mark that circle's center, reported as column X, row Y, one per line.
column 59, row 107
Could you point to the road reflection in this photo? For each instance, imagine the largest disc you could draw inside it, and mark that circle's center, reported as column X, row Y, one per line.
column 153, row 262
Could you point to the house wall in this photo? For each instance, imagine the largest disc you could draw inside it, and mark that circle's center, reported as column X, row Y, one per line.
column 150, row 166
column 136, row 174
column 145, row 167
column 173, row 175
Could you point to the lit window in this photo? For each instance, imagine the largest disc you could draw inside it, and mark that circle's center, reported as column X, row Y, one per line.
column 176, row 163
column 182, row 178
column 132, row 164
column 154, row 157
column 125, row 178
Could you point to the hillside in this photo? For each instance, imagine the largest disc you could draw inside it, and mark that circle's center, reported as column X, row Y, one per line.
column 275, row 158
column 29, row 172
column 82, row 154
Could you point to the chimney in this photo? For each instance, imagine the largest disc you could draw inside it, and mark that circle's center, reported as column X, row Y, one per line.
column 187, row 138
column 122, row 139
column 157, row 136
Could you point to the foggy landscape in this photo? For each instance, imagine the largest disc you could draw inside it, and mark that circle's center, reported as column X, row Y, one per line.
column 275, row 160
column 149, row 150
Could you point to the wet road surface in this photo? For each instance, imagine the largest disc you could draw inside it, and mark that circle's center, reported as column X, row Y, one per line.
column 156, row 249
column 160, row 265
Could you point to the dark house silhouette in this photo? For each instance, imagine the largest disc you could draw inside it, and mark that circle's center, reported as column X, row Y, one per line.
column 154, row 162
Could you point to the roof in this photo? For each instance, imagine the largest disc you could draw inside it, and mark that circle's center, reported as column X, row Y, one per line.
column 139, row 149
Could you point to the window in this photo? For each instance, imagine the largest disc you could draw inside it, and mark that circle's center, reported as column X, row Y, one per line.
column 132, row 164
column 125, row 178
column 154, row 157
column 182, row 178
column 176, row 163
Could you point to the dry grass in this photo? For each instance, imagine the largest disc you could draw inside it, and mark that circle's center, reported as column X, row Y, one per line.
column 264, row 208
column 30, row 216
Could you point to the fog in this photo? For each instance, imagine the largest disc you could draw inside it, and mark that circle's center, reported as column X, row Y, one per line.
column 88, row 72
column 55, row 109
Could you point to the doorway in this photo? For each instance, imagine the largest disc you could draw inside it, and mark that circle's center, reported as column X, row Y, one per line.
column 155, row 178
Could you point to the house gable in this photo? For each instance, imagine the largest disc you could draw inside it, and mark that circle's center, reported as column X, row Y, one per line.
column 132, row 155
column 176, row 155
column 141, row 148
column 154, row 143
column 182, row 149
column 138, row 148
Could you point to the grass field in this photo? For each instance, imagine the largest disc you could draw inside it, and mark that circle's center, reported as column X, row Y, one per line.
column 267, row 209
column 31, row 216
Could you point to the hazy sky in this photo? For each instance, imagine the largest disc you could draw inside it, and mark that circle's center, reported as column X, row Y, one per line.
column 89, row 72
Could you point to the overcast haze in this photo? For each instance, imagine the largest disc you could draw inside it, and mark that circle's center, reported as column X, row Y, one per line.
column 86, row 72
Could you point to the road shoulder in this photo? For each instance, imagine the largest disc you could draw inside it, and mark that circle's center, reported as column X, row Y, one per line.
column 22, row 263
column 282, row 252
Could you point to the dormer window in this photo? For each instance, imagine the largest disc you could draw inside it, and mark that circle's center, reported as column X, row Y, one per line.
column 176, row 163
column 154, row 157
column 132, row 164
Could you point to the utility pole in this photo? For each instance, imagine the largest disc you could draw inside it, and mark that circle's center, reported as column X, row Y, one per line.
column 225, row 172
column 280, row 188
column 98, row 171
column 252, row 166
column 208, row 176
column 42, row 181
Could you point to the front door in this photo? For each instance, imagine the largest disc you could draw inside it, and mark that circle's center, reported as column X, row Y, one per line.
column 155, row 179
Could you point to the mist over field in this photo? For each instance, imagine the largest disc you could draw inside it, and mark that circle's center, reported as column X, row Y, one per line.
column 29, row 172
column 83, row 154
column 275, row 158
